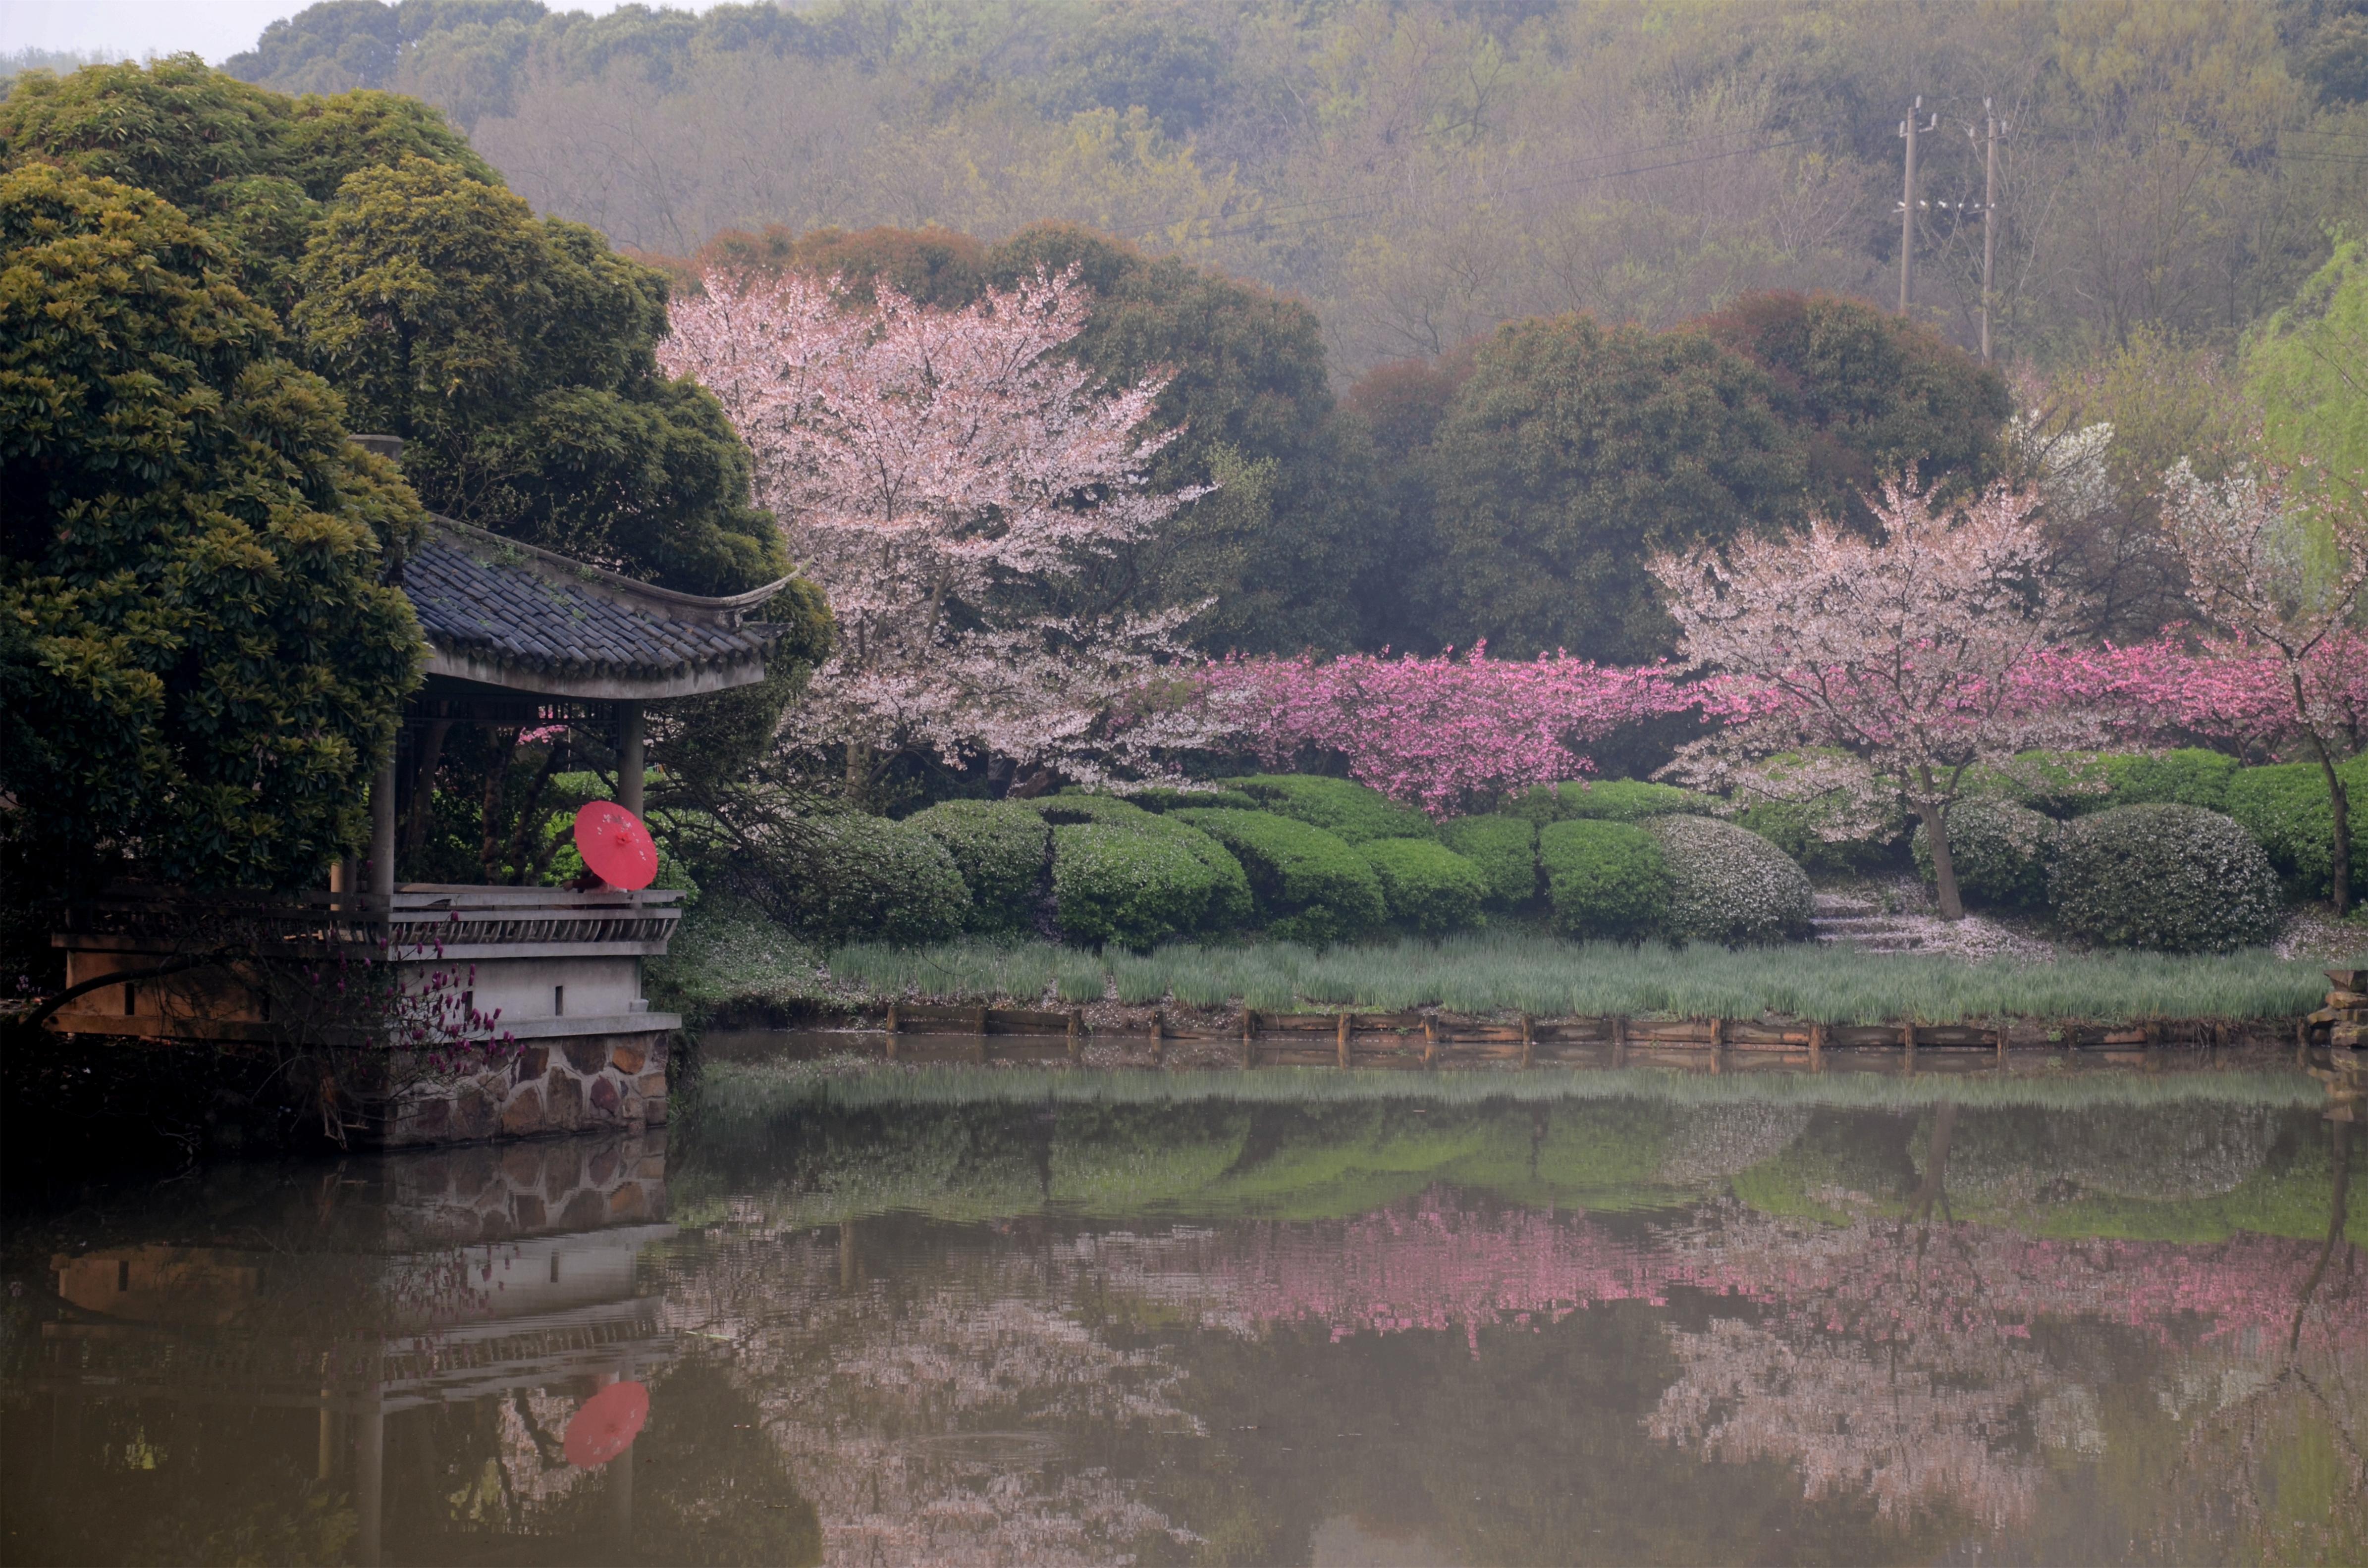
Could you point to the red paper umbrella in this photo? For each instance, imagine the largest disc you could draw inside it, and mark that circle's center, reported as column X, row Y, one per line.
column 615, row 845
column 607, row 1424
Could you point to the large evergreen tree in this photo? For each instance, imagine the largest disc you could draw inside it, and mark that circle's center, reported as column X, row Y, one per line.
column 199, row 665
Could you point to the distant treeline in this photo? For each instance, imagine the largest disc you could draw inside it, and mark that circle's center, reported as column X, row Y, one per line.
column 1422, row 171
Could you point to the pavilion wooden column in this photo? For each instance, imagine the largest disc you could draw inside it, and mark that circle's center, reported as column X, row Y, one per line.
column 382, row 849
column 629, row 756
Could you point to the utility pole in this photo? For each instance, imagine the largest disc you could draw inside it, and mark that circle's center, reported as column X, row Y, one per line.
column 1908, row 128
column 1990, row 223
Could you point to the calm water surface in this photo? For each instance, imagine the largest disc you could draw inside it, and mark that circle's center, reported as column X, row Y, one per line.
column 1387, row 1331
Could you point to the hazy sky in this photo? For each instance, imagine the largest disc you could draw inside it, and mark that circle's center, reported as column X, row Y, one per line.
column 214, row 28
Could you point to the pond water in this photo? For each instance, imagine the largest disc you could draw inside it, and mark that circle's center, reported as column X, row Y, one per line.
column 1005, row 1321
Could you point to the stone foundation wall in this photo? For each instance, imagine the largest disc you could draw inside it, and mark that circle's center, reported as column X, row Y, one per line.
column 550, row 1086
column 569, row 1186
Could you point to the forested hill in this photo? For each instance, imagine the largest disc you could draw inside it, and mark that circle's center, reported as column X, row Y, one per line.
column 1420, row 172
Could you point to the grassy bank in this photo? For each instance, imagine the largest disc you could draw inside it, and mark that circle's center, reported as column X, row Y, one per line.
column 1538, row 974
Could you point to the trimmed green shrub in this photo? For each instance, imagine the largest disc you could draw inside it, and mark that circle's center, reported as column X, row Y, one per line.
column 845, row 877
column 1428, row 888
column 2001, row 852
column 1118, row 884
column 2286, row 807
column 1000, row 847
column 1165, row 798
column 1505, row 850
column 2059, row 784
column 1308, row 885
column 2188, row 777
column 1604, row 878
column 1061, row 810
column 1728, row 884
column 1341, row 807
column 2176, row 879
column 1605, row 799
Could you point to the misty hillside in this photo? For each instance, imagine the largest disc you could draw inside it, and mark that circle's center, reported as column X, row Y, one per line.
column 1421, row 172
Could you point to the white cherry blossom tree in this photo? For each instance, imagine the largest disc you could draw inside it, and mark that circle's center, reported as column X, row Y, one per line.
column 1878, row 669
column 954, row 484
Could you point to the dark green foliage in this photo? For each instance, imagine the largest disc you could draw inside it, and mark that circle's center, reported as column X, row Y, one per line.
column 1137, row 886
column 1604, row 878
column 1728, row 884
column 1339, row 806
column 2176, row 879
column 851, row 877
column 514, row 356
column 1573, row 453
column 1309, row 885
column 1505, row 848
column 1606, row 799
column 1277, row 547
column 2189, row 777
column 2001, row 853
column 1001, row 849
column 199, row 666
column 706, row 742
column 1428, row 888
column 1165, row 799
column 2286, row 807
column 1873, row 394
column 252, row 167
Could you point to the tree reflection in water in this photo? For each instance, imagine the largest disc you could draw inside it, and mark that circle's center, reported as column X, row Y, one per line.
column 1647, row 1333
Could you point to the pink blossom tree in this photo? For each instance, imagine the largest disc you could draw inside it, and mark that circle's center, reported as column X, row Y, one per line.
column 1444, row 733
column 2250, row 554
column 1877, row 669
column 952, row 483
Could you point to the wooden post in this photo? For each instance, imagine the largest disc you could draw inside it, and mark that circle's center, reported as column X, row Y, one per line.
column 2302, row 1043
column 1077, row 1036
column 1249, row 1036
column 894, row 1022
column 1816, row 1048
column 978, row 1023
column 2000, row 1033
column 1528, row 1040
column 629, row 756
column 1908, row 1040
column 1718, row 1045
column 382, row 849
column 1618, row 1040
column 1429, row 1042
column 1343, row 1040
column 1159, row 1037
column 2153, row 1030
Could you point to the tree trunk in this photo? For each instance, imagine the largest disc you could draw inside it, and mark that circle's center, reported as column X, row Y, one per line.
column 1944, row 871
column 2341, row 800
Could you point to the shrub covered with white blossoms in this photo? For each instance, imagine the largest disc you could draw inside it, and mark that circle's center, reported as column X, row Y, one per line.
column 1728, row 884
column 2175, row 878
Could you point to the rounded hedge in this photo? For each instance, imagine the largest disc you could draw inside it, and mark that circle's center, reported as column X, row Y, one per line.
column 2001, row 852
column 1428, row 888
column 1605, row 799
column 1604, row 878
column 1111, row 898
column 1799, row 829
column 1340, row 806
column 1308, row 885
column 2286, row 809
column 855, row 876
column 1114, row 883
column 1000, row 849
column 2175, row 878
column 1505, row 850
column 1728, row 884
